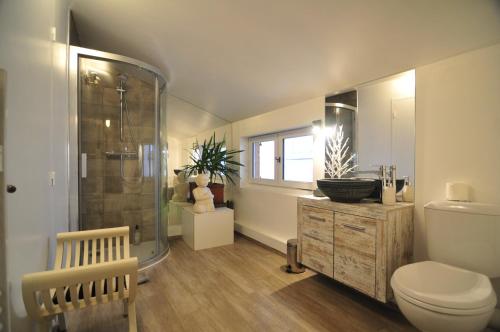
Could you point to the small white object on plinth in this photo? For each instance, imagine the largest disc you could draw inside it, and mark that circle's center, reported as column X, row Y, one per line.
column 207, row 230
column 204, row 199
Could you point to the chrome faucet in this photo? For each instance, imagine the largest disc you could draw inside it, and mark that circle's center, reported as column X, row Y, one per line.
column 384, row 172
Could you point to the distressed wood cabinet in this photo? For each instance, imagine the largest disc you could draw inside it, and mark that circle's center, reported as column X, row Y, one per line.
column 359, row 245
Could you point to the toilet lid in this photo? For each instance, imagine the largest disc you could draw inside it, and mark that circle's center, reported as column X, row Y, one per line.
column 444, row 285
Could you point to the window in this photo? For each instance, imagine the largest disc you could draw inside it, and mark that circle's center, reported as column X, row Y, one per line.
column 298, row 159
column 264, row 159
column 283, row 159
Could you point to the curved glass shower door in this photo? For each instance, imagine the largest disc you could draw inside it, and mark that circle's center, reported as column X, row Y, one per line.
column 121, row 149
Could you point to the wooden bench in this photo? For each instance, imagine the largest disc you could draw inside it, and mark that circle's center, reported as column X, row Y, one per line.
column 91, row 267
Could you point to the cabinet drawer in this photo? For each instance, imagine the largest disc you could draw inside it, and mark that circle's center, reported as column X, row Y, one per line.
column 317, row 255
column 318, row 224
column 354, row 248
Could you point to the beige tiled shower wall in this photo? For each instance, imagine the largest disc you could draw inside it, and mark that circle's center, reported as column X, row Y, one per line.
column 116, row 193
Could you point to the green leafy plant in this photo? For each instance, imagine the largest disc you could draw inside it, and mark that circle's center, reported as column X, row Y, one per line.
column 212, row 158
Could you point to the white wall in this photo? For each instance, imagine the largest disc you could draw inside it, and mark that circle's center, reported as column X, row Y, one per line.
column 458, row 130
column 269, row 214
column 36, row 137
column 174, row 157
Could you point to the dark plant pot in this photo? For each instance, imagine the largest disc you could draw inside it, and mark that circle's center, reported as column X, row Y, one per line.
column 346, row 190
column 216, row 188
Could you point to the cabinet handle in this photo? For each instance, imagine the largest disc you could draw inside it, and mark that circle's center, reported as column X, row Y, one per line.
column 317, row 218
column 312, row 237
column 354, row 227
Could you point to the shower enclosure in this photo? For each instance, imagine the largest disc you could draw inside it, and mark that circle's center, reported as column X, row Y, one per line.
column 118, row 149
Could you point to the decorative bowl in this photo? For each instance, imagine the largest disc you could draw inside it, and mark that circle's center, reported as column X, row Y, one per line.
column 347, row 190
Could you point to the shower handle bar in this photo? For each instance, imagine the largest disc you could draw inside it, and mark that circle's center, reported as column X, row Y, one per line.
column 83, row 167
column 121, row 90
column 121, row 121
column 121, row 115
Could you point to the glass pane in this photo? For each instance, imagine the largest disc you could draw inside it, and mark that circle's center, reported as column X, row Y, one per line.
column 266, row 160
column 298, row 159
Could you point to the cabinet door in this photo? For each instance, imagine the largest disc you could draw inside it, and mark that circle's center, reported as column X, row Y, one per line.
column 354, row 252
column 317, row 239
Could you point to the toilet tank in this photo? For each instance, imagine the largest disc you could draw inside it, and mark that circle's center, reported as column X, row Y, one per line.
column 465, row 235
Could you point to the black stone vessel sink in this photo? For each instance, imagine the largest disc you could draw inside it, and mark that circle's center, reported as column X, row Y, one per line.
column 349, row 190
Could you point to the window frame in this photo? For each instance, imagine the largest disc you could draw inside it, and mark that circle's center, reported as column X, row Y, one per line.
column 255, row 162
column 279, row 140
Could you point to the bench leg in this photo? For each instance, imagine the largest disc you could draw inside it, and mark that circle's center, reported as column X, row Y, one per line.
column 61, row 322
column 132, row 319
column 125, row 308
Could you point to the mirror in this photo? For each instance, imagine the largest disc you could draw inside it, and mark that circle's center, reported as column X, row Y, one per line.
column 378, row 119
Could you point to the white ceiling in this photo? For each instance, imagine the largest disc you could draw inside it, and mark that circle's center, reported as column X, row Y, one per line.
column 240, row 58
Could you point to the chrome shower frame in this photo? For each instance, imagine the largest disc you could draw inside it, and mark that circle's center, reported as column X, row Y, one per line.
column 74, row 139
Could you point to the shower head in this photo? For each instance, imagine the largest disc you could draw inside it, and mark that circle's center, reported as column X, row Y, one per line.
column 122, row 87
column 122, row 77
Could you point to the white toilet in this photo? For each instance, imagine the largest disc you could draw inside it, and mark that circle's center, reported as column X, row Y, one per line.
column 445, row 294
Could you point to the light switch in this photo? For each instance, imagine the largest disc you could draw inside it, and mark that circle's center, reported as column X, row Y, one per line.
column 52, row 179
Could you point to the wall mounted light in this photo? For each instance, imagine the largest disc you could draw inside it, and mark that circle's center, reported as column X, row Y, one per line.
column 404, row 85
column 316, row 127
column 329, row 131
column 107, row 122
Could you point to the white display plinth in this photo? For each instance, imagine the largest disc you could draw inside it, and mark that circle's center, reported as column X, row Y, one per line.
column 207, row 230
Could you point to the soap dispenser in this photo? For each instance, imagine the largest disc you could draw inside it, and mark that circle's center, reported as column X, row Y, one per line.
column 408, row 192
column 137, row 235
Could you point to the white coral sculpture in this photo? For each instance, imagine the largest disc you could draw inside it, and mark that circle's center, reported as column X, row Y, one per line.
column 338, row 162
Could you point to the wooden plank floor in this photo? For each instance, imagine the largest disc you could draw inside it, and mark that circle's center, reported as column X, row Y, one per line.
column 239, row 288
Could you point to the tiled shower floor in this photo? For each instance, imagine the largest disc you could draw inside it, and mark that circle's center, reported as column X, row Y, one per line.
column 143, row 251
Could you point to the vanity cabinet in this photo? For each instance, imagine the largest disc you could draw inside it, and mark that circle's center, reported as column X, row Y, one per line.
column 359, row 245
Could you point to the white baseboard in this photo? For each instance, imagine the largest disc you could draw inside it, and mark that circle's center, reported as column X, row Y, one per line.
column 270, row 241
column 266, row 239
column 174, row 230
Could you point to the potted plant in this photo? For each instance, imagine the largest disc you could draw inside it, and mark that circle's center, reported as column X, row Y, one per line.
column 212, row 158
